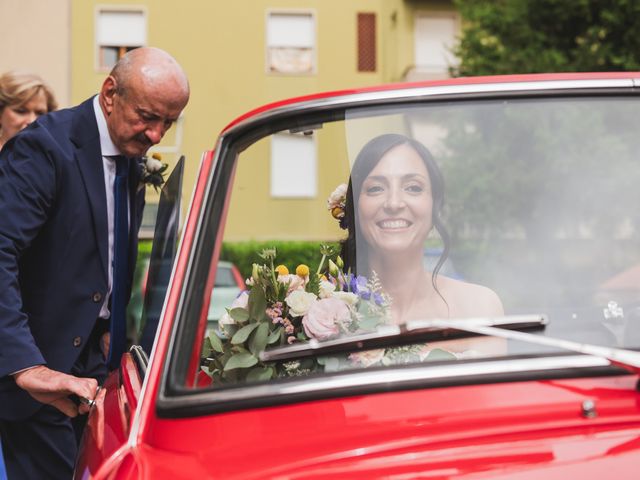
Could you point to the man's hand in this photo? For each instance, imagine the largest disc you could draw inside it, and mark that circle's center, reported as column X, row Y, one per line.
column 53, row 388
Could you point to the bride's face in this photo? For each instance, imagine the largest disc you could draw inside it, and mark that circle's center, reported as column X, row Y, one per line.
column 395, row 203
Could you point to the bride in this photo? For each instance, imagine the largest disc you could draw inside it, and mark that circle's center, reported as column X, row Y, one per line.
column 394, row 199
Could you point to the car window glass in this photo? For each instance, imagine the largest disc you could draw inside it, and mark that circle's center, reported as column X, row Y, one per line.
column 163, row 251
column 450, row 210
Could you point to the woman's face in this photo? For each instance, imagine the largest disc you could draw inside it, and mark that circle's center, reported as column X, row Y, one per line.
column 395, row 203
column 15, row 117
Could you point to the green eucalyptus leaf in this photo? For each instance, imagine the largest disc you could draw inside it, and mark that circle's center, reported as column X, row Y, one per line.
column 206, row 348
column 214, row 341
column 239, row 314
column 240, row 360
column 260, row 373
column 229, row 329
column 274, row 336
column 259, row 338
column 257, row 303
column 313, row 285
column 368, row 323
column 440, row 354
column 242, row 334
column 238, row 349
column 331, row 364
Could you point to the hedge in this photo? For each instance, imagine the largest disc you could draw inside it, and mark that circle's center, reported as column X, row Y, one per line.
column 289, row 253
column 242, row 254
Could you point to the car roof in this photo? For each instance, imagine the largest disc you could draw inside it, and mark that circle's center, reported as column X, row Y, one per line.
column 451, row 82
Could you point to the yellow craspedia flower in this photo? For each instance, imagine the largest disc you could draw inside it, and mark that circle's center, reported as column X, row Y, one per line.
column 282, row 270
column 302, row 270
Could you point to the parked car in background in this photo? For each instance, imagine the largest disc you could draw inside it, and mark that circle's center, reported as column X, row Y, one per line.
column 227, row 287
column 355, row 366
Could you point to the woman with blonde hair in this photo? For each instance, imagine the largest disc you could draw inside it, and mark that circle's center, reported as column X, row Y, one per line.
column 23, row 98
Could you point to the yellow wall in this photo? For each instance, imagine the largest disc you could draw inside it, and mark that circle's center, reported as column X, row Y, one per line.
column 221, row 45
column 35, row 38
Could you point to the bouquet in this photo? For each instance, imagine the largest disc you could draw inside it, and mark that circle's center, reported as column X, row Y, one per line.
column 281, row 308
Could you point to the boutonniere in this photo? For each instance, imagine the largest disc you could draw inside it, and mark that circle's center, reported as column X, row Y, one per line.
column 153, row 169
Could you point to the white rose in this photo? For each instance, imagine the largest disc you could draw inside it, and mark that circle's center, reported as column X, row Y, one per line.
column 153, row 165
column 299, row 302
column 349, row 298
column 326, row 289
column 337, row 196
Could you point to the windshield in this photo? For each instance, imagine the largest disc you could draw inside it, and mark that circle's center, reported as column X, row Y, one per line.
column 453, row 211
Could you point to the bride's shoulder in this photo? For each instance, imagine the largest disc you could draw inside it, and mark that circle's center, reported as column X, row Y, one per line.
column 472, row 299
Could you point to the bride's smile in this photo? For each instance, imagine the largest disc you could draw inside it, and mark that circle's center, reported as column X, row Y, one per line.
column 395, row 203
column 394, row 224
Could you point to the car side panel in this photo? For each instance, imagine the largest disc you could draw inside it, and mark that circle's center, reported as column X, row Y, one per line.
column 109, row 421
column 514, row 428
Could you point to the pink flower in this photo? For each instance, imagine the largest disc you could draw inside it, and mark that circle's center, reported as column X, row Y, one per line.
column 325, row 317
column 275, row 311
column 295, row 282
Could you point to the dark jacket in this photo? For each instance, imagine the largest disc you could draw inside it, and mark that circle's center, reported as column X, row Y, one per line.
column 53, row 246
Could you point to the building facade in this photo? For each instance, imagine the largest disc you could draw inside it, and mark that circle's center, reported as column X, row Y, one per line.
column 238, row 55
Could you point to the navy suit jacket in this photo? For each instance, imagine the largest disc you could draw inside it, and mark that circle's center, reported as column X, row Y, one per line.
column 53, row 246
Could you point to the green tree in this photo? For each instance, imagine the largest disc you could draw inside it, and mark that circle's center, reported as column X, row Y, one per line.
column 532, row 36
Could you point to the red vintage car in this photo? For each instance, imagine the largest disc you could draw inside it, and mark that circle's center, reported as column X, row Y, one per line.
column 367, row 362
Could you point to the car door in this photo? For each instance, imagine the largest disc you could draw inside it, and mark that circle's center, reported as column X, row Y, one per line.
column 109, row 421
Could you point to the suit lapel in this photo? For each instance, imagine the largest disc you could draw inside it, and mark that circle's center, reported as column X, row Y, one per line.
column 89, row 159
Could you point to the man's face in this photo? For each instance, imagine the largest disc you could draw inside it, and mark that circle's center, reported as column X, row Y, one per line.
column 140, row 115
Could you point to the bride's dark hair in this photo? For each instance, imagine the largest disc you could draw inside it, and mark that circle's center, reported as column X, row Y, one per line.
column 365, row 162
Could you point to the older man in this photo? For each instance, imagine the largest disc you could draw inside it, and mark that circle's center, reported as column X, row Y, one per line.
column 70, row 209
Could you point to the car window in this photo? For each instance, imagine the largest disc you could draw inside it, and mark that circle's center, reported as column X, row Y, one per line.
column 451, row 210
column 163, row 252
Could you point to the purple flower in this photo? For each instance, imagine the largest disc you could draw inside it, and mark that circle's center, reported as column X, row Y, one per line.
column 358, row 285
column 378, row 299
